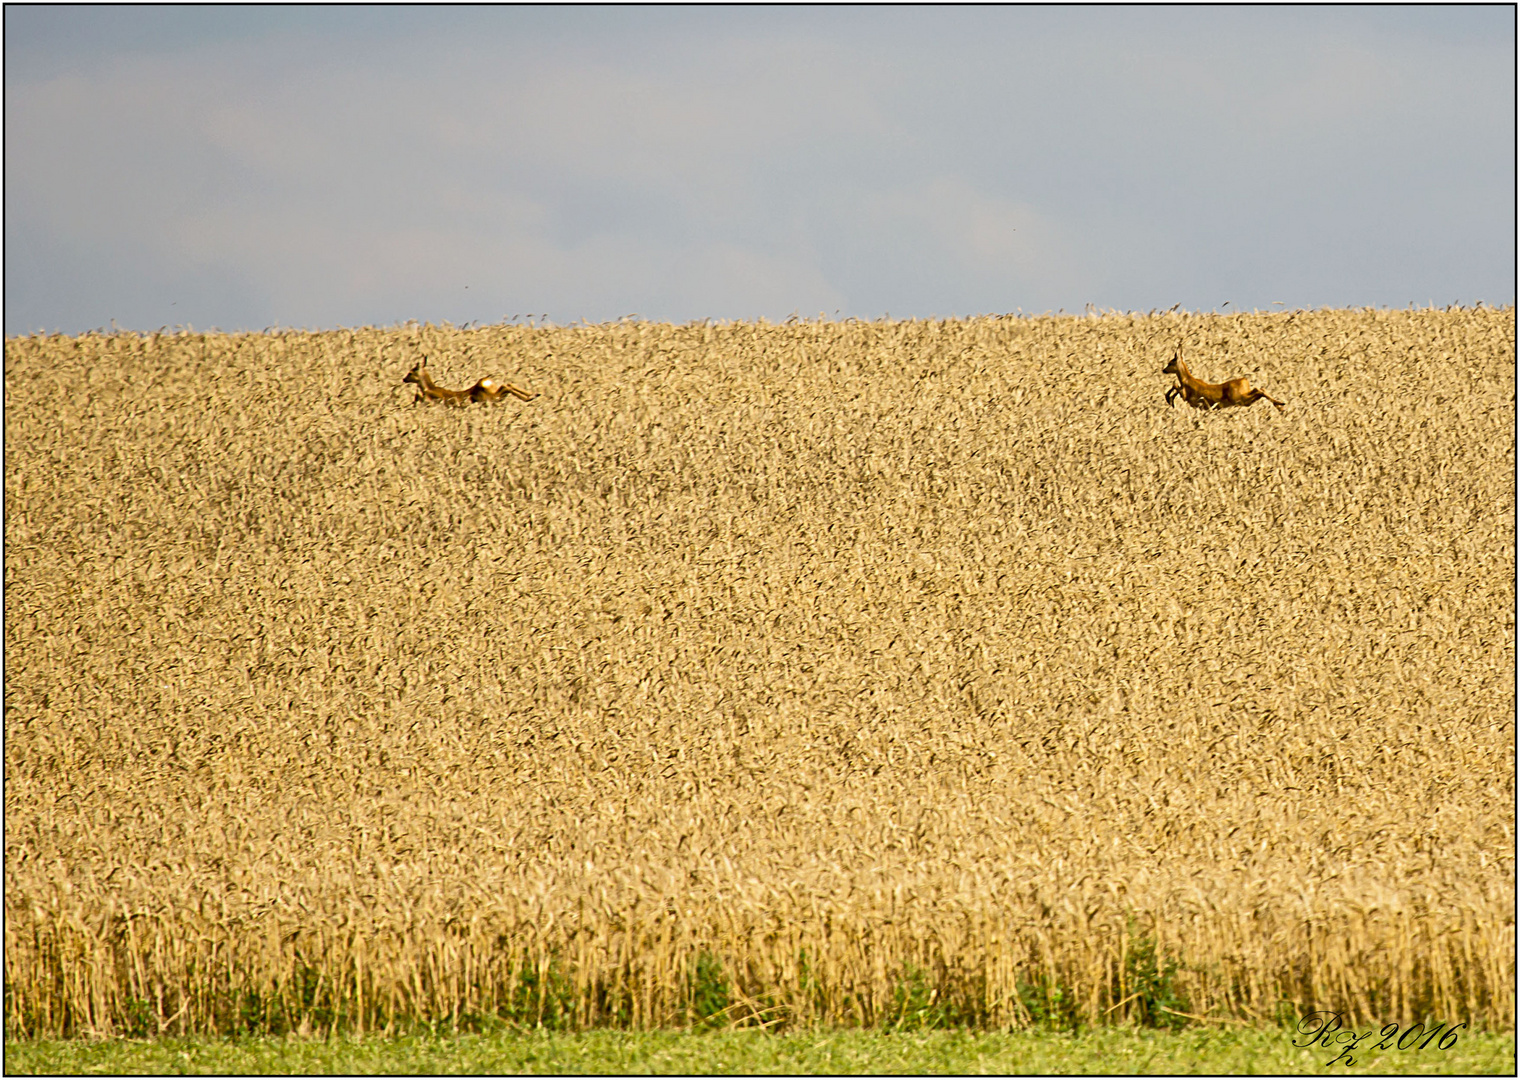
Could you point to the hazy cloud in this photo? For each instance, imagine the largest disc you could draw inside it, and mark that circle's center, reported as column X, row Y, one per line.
column 326, row 166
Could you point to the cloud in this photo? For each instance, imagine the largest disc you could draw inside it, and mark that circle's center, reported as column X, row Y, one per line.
column 953, row 223
column 325, row 167
column 351, row 195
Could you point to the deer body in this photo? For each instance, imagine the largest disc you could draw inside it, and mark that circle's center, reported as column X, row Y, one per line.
column 489, row 389
column 1207, row 395
column 486, row 389
column 428, row 390
column 1195, row 400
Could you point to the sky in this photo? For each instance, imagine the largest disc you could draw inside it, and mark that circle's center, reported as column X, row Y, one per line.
column 317, row 167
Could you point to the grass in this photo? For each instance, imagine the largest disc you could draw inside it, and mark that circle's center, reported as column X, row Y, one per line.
column 1107, row 1050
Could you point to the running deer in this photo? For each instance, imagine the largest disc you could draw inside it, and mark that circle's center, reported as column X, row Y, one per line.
column 1207, row 395
column 486, row 389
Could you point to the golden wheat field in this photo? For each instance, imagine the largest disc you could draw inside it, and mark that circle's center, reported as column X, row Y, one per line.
column 814, row 673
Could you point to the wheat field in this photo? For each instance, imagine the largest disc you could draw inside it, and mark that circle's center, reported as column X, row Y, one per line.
column 805, row 674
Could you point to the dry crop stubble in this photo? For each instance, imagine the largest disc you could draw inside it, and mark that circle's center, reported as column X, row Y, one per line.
column 867, row 660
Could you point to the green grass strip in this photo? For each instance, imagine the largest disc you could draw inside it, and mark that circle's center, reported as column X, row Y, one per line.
column 1112, row 1050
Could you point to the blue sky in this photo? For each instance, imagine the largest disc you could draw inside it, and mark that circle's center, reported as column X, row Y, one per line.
column 318, row 167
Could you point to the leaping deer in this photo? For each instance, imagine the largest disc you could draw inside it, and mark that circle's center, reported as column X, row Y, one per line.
column 486, row 389
column 1207, row 395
